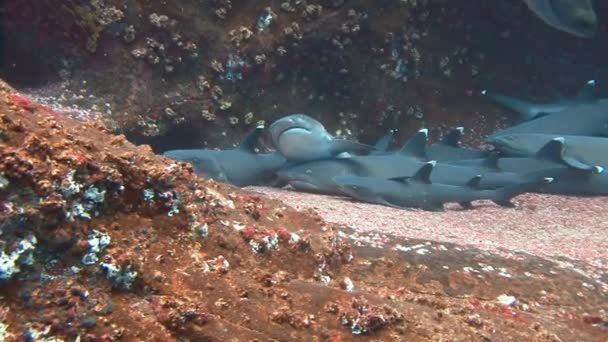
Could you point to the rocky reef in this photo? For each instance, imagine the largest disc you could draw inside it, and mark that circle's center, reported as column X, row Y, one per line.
column 102, row 240
column 196, row 73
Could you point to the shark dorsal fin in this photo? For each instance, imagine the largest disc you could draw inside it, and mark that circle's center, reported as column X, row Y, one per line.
column 249, row 141
column 385, row 141
column 416, row 146
column 423, row 175
column 586, row 93
column 474, row 182
column 552, row 150
column 491, row 161
column 453, row 137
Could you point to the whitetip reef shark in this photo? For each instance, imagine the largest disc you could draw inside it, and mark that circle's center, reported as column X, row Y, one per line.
column 298, row 137
column 578, row 150
column 241, row 166
column 528, row 110
column 589, row 119
column 449, row 149
column 419, row 191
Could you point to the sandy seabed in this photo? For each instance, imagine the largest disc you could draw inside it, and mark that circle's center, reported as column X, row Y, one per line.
column 548, row 226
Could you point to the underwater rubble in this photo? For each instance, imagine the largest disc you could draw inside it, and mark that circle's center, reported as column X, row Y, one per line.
column 102, row 240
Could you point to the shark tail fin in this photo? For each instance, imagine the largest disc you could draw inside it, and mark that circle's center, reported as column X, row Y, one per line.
column 587, row 92
column 385, row 141
column 453, row 137
column 416, row 146
column 504, row 195
column 249, row 141
column 423, row 175
column 525, row 109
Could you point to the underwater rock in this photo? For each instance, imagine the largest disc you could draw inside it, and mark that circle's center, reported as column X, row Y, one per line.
column 260, row 267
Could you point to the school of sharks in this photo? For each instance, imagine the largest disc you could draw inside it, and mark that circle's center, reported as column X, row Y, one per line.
column 555, row 148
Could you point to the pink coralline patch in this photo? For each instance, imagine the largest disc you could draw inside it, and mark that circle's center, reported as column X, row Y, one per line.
column 25, row 103
column 549, row 226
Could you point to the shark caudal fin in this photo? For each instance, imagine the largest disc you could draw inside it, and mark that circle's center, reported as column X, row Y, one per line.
column 416, row 146
column 453, row 137
column 526, row 110
column 587, row 92
column 504, row 195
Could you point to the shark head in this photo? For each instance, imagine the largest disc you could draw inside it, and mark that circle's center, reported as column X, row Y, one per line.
column 360, row 188
column 511, row 144
column 308, row 181
column 294, row 124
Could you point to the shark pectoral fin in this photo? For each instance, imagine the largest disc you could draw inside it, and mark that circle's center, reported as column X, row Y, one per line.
column 249, row 141
column 466, row 205
column 453, row 137
column 340, row 145
column 416, row 146
column 423, row 175
column 587, row 92
column 385, row 141
column 577, row 164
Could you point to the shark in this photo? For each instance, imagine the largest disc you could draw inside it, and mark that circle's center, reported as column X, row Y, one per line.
column 577, row 182
column 528, row 110
column 577, row 150
column 299, row 138
column 316, row 176
column 419, row 191
column 449, row 148
column 241, row 166
column 576, row 17
column 584, row 119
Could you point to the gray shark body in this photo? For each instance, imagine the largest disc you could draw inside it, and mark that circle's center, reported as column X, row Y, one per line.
column 420, row 192
column 587, row 119
column 300, row 138
column 240, row 166
column 577, row 149
column 317, row 176
column 449, row 149
column 528, row 110
column 576, row 182
column 576, row 17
